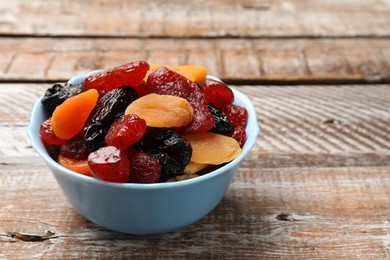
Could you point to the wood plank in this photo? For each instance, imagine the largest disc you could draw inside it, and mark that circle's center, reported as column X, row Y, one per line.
column 262, row 60
column 299, row 213
column 301, row 126
column 227, row 18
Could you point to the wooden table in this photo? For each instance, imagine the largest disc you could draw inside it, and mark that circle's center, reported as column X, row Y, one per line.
column 317, row 184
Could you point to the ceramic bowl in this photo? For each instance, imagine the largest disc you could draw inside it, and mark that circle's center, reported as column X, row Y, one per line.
column 143, row 208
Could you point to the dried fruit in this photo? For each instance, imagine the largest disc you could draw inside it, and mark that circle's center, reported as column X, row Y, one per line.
column 194, row 73
column 239, row 117
column 110, row 108
column 80, row 166
column 193, row 167
column 109, row 164
column 144, row 168
column 75, row 148
column 130, row 74
column 47, row 134
column 58, row 93
column 68, row 118
column 169, row 148
column 212, row 148
column 222, row 123
column 166, row 82
column 218, row 93
column 125, row 131
column 162, row 110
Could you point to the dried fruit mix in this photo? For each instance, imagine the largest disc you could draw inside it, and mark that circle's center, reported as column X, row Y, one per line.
column 144, row 123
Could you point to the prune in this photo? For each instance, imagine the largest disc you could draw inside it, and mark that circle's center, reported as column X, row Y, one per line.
column 143, row 167
column 110, row 108
column 222, row 123
column 109, row 164
column 130, row 74
column 75, row 148
column 218, row 93
column 126, row 131
column 58, row 93
column 169, row 148
column 167, row 82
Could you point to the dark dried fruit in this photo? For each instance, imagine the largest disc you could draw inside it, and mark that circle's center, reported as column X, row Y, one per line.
column 47, row 134
column 218, row 93
column 75, row 148
column 143, row 167
column 169, row 148
column 222, row 123
column 130, row 74
column 110, row 108
column 58, row 93
column 126, row 131
column 109, row 164
column 167, row 82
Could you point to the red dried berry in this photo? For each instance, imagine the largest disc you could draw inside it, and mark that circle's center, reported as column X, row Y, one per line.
column 167, row 82
column 130, row 74
column 109, row 164
column 218, row 93
column 144, row 168
column 239, row 117
column 126, row 131
column 75, row 148
column 47, row 134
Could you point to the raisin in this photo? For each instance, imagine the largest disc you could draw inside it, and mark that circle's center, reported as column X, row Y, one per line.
column 222, row 123
column 130, row 74
column 109, row 164
column 58, row 93
column 126, row 131
column 169, row 148
column 47, row 134
column 143, row 167
column 75, row 148
column 110, row 108
column 218, row 93
column 162, row 110
column 167, row 82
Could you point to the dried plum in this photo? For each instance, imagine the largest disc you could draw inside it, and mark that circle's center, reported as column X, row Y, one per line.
column 222, row 123
column 169, row 148
column 58, row 93
column 111, row 107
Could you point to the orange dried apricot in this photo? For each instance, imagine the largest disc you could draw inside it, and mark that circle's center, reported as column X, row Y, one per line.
column 162, row 110
column 212, row 148
column 69, row 118
column 193, row 167
column 80, row 166
column 194, row 73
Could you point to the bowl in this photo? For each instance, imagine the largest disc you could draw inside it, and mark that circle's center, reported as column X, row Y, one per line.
column 143, row 208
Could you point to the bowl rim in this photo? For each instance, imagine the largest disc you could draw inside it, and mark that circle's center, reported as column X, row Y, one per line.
column 33, row 133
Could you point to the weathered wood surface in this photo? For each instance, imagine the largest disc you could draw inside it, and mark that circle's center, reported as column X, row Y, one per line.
column 250, row 60
column 316, row 185
column 227, row 18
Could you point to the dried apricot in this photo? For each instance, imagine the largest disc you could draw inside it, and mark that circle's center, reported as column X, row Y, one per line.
column 162, row 110
column 193, row 167
column 80, row 166
column 69, row 118
column 194, row 73
column 212, row 148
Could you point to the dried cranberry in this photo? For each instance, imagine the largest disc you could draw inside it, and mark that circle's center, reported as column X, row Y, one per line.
column 239, row 117
column 167, row 82
column 130, row 74
column 47, row 134
column 218, row 93
column 144, row 168
column 126, row 131
column 109, row 164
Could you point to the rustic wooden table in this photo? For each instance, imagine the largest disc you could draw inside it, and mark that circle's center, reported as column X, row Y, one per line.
column 317, row 184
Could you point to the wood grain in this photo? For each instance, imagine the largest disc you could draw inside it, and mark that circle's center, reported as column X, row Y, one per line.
column 264, row 61
column 299, row 213
column 226, row 18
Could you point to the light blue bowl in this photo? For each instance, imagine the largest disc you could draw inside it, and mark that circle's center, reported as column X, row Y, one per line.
column 143, row 208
